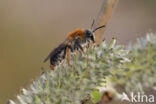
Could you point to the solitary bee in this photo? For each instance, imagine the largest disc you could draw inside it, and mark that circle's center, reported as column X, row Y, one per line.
column 77, row 40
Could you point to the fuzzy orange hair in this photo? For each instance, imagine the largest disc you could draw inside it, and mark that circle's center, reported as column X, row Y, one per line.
column 76, row 33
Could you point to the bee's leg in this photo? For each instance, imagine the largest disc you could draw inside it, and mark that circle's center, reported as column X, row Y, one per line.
column 68, row 51
column 85, row 55
column 83, row 52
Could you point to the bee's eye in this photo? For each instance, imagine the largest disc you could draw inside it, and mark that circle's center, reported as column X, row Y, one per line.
column 88, row 33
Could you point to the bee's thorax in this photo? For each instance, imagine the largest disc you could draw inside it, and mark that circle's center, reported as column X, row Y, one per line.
column 78, row 33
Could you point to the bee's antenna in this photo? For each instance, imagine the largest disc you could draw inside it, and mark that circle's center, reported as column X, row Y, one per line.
column 92, row 24
column 98, row 28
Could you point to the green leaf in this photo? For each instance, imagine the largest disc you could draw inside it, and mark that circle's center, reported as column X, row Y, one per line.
column 96, row 96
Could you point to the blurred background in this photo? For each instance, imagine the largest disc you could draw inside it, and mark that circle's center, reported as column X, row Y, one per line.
column 30, row 29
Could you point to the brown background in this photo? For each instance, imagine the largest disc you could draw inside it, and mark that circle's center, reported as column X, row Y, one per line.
column 30, row 29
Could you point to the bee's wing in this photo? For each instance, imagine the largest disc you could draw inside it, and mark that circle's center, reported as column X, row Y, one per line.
column 103, row 17
column 51, row 54
column 54, row 51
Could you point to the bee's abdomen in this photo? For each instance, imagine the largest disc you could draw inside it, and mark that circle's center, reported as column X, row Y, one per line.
column 59, row 56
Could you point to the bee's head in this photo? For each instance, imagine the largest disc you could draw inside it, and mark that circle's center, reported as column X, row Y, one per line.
column 89, row 35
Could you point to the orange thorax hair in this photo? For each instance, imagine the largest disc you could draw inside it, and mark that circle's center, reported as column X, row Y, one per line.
column 78, row 33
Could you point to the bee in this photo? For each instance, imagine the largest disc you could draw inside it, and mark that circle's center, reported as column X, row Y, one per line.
column 77, row 40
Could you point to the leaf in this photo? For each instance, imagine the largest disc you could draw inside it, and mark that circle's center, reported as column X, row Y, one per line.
column 96, row 96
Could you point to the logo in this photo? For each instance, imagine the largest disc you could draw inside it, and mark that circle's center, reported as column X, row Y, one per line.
column 138, row 97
